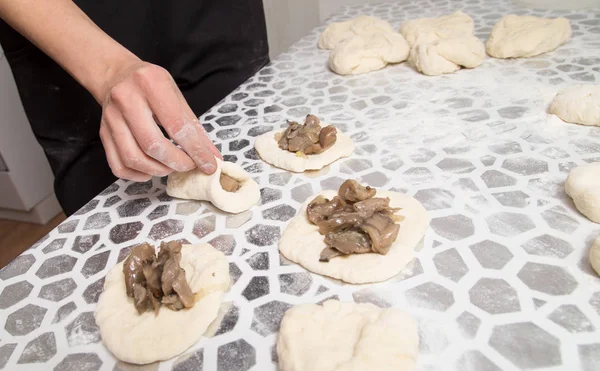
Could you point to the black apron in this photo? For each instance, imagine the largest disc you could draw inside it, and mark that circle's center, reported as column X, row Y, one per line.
column 210, row 47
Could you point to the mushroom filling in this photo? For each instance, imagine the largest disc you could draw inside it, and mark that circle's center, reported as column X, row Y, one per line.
column 354, row 221
column 155, row 280
column 228, row 183
column 308, row 139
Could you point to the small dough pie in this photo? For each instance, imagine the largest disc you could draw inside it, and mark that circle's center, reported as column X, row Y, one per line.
column 302, row 243
column 583, row 186
column 340, row 336
column 595, row 255
column 579, row 104
column 516, row 36
column 365, row 53
column 364, row 25
column 428, row 30
column 146, row 338
column 447, row 55
column 268, row 149
column 195, row 185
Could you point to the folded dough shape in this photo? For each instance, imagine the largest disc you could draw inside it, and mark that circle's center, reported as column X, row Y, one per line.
column 195, row 185
column 516, row 36
column 366, row 53
column 146, row 338
column 302, row 243
column 339, row 336
column 364, row 25
column 427, row 30
column 579, row 104
column 447, row 55
column 268, row 149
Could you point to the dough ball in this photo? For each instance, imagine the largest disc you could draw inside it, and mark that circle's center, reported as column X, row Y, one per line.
column 364, row 25
column 195, row 185
column 146, row 338
column 366, row 53
column 583, row 186
column 347, row 336
column 428, row 30
column 268, row 149
column 516, row 36
column 595, row 256
column 579, row 104
column 447, row 55
column 302, row 243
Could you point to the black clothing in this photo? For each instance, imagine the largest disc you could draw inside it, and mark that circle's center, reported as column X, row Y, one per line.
column 210, row 47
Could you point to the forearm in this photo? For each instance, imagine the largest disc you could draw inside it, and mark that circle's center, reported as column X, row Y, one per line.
column 61, row 30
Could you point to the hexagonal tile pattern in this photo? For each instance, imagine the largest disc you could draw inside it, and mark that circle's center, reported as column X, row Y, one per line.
column 12, row 294
column 509, row 224
column 25, row 320
column 526, row 345
column 546, row 245
column 491, row 255
column 59, row 290
column 494, row 296
column 454, row 227
column 549, row 279
column 40, row 349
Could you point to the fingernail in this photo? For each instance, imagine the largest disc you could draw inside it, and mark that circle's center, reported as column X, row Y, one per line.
column 208, row 168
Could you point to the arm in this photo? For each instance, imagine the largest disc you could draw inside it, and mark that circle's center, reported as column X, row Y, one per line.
column 131, row 92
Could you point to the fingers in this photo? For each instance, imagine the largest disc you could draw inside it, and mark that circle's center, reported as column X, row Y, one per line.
column 114, row 161
column 130, row 155
column 177, row 117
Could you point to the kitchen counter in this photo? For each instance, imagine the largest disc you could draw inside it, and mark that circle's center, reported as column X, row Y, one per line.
column 501, row 280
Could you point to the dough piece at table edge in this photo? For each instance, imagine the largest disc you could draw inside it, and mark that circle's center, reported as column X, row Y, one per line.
column 515, row 36
column 366, row 338
column 195, row 185
column 447, row 55
column 578, row 104
column 302, row 244
column 336, row 32
column 268, row 149
column 583, row 186
column 594, row 256
column 142, row 339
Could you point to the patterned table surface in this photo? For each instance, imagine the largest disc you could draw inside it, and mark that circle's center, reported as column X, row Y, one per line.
column 500, row 282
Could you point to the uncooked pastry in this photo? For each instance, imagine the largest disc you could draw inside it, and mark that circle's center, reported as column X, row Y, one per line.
column 347, row 336
column 268, row 149
column 366, row 53
column 363, row 25
column 447, row 55
column 428, row 30
column 579, row 104
column 302, row 243
column 195, row 185
column 145, row 338
column 516, row 36
column 583, row 185
column 595, row 256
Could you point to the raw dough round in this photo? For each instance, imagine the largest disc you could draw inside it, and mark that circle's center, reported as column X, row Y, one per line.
column 366, row 53
column 302, row 243
column 447, row 55
column 147, row 338
column 268, row 149
column 595, row 256
column 583, row 185
column 347, row 336
column 516, row 36
column 579, row 104
column 428, row 30
column 195, row 185
column 363, row 25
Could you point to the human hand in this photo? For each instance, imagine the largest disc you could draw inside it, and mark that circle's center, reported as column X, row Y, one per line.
column 135, row 100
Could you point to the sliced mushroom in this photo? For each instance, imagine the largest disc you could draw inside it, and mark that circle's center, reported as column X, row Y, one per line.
column 228, row 183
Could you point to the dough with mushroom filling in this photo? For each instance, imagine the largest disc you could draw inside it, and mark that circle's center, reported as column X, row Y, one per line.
column 428, row 30
column 366, row 53
column 364, row 25
column 146, row 338
column 516, row 36
column 339, row 336
column 302, row 243
column 595, row 255
column 267, row 147
column 196, row 185
column 579, row 104
column 583, row 186
column 447, row 55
